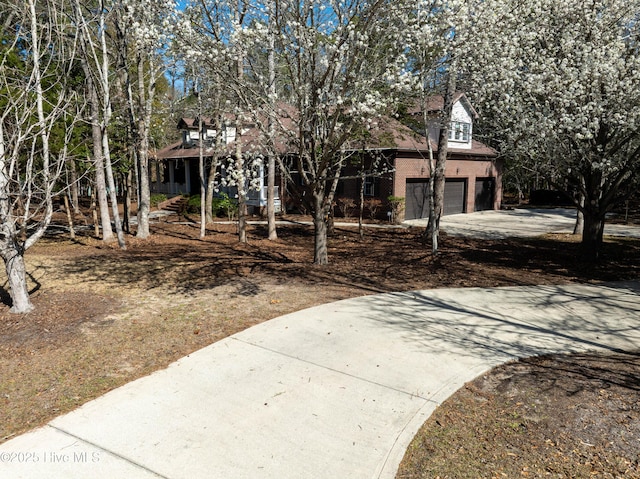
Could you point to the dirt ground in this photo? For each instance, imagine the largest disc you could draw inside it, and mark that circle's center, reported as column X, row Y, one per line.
column 105, row 316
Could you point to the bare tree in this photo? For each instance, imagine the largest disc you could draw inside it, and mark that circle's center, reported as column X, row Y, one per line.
column 35, row 100
column 96, row 64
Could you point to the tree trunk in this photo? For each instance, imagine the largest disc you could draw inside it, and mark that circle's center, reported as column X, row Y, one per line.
column 16, row 277
column 144, row 201
column 592, row 236
column 428, row 234
column 242, row 195
column 9, row 250
column 203, row 186
column 94, row 213
column 240, row 167
column 271, row 166
column 74, row 186
column 321, row 251
column 72, row 231
column 128, row 182
column 331, row 223
column 241, row 187
column 361, row 208
column 578, row 229
column 112, row 188
column 98, row 160
column 579, row 226
column 271, row 198
column 438, row 196
column 211, row 183
column 441, row 160
column 144, row 112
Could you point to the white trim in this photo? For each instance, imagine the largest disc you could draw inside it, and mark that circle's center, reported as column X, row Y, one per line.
column 460, row 131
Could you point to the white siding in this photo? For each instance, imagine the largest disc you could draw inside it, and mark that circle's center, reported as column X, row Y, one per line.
column 462, row 115
column 458, row 114
column 229, row 134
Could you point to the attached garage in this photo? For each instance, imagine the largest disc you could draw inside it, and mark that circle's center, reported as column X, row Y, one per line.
column 417, row 199
column 454, row 196
column 485, row 193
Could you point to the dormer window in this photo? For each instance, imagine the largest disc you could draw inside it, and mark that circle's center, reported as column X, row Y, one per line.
column 460, row 131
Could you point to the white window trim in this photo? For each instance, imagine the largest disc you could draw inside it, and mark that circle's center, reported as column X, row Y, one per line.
column 460, row 131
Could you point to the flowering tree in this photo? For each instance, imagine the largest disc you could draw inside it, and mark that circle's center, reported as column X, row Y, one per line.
column 340, row 67
column 440, row 34
column 145, row 30
column 561, row 81
column 332, row 66
column 215, row 44
column 36, row 104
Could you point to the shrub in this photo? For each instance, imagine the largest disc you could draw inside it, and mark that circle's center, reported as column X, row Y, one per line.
column 373, row 206
column 346, row 206
column 157, row 198
column 223, row 205
column 193, row 205
column 396, row 203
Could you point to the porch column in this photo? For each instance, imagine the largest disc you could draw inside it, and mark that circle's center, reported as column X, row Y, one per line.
column 172, row 177
column 187, row 176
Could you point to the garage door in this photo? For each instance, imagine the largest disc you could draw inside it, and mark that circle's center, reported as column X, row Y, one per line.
column 454, row 196
column 485, row 188
column 417, row 200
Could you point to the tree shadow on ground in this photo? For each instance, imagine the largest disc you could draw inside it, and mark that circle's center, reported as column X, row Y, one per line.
column 601, row 370
column 501, row 324
column 385, row 260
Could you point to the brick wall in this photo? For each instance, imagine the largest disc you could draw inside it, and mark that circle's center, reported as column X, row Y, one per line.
column 464, row 168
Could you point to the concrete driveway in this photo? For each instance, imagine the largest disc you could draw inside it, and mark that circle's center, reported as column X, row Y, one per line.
column 518, row 223
column 335, row 391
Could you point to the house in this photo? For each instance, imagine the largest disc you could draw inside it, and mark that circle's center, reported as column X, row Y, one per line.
column 473, row 174
column 177, row 166
column 400, row 149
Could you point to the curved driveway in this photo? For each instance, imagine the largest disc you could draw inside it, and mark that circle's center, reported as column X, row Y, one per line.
column 335, row 391
column 519, row 223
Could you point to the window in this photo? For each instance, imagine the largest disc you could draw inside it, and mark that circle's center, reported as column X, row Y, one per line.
column 460, row 131
column 369, row 186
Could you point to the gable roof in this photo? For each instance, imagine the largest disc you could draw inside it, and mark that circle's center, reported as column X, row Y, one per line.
column 384, row 133
column 389, row 133
column 435, row 104
column 188, row 123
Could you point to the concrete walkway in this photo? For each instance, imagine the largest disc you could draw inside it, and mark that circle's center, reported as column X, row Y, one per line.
column 336, row 391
